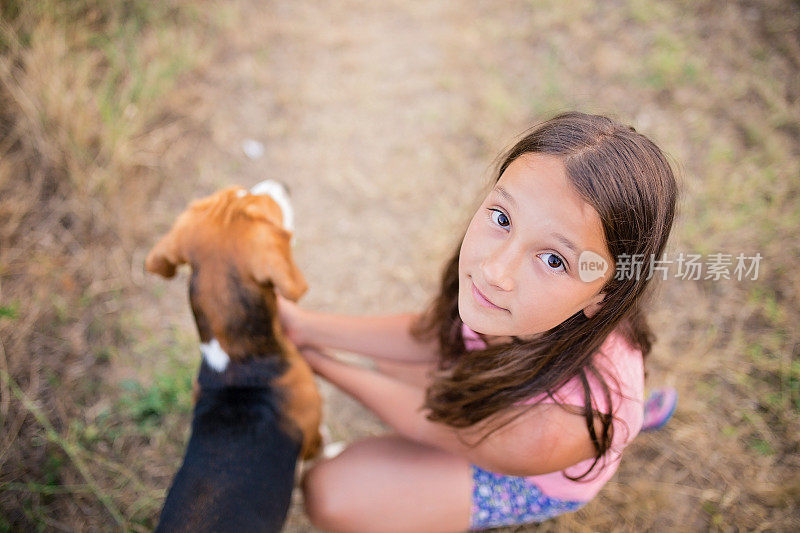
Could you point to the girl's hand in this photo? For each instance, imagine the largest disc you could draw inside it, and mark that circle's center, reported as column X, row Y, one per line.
column 292, row 317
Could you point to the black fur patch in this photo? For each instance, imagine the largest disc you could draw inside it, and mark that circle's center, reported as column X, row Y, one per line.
column 239, row 468
column 254, row 330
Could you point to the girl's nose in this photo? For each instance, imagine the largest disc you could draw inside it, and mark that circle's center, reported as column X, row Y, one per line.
column 497, row 269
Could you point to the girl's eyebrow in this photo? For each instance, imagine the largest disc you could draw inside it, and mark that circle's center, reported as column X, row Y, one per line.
column 566, row 242
column 561, row 238
column 505, row 195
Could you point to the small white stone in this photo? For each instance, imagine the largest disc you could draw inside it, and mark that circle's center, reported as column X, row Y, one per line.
column 252, row 148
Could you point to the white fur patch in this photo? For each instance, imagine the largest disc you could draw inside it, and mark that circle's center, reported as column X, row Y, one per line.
column 214, row 355
column 278, row 193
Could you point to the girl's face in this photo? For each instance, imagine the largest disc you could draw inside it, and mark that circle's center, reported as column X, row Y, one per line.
column 517, row 276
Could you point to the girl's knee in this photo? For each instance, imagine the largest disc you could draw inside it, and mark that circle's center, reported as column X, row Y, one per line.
column 325, row 506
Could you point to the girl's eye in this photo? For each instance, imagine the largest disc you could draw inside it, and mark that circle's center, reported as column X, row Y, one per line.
column 555, row 262
column 499, row 218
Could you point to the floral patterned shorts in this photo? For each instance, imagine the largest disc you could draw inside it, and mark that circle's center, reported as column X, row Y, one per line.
column 499, row 500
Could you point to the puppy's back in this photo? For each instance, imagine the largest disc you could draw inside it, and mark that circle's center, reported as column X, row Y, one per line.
column 238, row 472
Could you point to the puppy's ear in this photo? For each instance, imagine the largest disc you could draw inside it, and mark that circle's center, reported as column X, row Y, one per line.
column 271, row 261
column 167, row 253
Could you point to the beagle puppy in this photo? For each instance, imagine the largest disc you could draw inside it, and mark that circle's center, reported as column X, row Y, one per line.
column 257, row 407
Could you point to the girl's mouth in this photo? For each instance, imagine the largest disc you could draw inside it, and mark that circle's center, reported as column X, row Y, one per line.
column 483, row 300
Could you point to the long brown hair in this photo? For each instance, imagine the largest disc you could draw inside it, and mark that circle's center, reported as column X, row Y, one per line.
column 629, row 182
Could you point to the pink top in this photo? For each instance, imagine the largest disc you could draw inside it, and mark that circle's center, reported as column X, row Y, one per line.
column 616, row 360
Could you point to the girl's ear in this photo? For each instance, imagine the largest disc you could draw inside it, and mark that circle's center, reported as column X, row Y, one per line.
column 594, row 306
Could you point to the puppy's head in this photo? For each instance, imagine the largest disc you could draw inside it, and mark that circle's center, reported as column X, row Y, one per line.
column 232, row 229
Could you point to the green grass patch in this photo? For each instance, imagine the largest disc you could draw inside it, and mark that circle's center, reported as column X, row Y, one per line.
column 10, row 311
column 761, row 446
column 671, row 63
column 148, row 404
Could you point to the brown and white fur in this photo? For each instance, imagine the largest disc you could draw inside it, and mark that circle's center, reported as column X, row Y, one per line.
column 253, row 381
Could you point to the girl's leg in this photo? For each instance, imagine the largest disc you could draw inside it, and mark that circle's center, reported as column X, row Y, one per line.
column 389, row 483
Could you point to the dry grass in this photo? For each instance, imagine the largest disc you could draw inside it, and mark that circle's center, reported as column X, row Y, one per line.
column 384, row 118
column 91, row 126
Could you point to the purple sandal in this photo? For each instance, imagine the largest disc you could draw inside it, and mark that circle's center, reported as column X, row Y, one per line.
column 658, row 408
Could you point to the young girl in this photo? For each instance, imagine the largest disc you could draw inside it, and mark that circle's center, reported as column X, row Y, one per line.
column 514, row 394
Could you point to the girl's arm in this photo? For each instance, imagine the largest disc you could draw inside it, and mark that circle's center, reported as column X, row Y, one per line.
column 378, row 337
column 544, row 439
